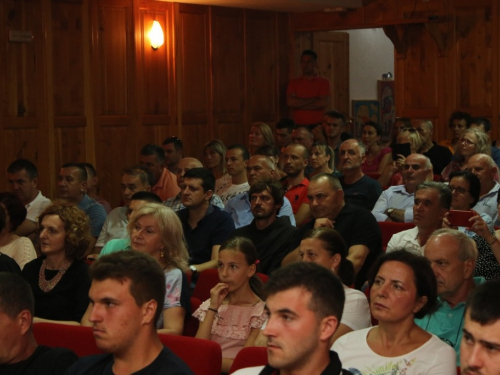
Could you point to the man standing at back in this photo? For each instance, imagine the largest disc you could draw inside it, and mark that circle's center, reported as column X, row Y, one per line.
column 305, row 303
column 307, row 96
column 22, row 176
column 126, row 299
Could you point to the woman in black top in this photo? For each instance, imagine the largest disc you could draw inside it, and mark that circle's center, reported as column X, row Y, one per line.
column 59, row 278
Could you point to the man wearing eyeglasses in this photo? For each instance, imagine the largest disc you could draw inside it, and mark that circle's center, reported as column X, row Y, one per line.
column 439, row 156
column 396, row 203
column 452, row 256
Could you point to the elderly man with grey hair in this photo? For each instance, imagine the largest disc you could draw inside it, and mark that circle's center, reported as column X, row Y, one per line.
column 439, row 156
column 432, row 202
column 396, row 203
column 359, row 189
column 453, row 256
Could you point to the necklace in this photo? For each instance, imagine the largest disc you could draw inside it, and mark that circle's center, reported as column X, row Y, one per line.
column 47, row 286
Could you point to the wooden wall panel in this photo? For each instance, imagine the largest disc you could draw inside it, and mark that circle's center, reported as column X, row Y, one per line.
column 228, row 61
column 284, row 50
column 262, row 64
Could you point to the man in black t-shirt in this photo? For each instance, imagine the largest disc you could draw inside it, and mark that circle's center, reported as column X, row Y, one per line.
column 127, row 296
column 19, row 352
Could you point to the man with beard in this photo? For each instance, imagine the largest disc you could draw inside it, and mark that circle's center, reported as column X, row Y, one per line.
column 360, row 190
column 272, row 236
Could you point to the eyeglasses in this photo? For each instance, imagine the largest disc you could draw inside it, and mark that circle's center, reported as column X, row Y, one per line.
column 468, row 142
column 458, row 189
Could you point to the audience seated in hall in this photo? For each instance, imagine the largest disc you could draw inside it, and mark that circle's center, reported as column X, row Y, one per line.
column 156, row 230
column 185, row 165
column 134, row 179
column 484, row 167
column 165, row 182
column 7, row 264
column 396, row 203
column 458, row 123
column 359, row 189
column 484, row 125
column 432, row 202
column 20, row 249
column 72, row 186
column 234, row 313
column 312, row 299
column 59, row 278
column 321, row 159
column 137, row 200
column 135, row 284
column 283, row 133
column 259, row 167
column 260, row 135
column 295, row 159
column 377, row 156
column 402, row 288
column 236, row 162
column 20, row 352
column 357, row 226
column 93, row 187
column 205, row 226
column 333, row 128
column 400, row 124
column 22, row 176
column 214, row 159
column 452, row 256
column 439, row 156
column 272, row 236
column 174, row 152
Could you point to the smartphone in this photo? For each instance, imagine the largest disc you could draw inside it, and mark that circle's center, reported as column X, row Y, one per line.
column 459, row 218
column 401, row 149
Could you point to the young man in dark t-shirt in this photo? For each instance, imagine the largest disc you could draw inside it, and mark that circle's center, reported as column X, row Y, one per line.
column 19, row 352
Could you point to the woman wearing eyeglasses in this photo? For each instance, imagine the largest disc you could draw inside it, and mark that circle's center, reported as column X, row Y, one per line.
column 471, row 143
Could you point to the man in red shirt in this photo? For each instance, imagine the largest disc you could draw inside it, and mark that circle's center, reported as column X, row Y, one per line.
column 307, row 96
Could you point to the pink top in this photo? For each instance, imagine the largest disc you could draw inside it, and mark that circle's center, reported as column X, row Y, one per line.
column 372, row 166
column 232, row 325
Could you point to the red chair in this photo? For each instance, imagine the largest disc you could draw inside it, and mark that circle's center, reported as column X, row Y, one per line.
column 249, row 357
column 208, row 279
column 191, row 323
column 77, row 338
column 389, row 228
column 203, row 357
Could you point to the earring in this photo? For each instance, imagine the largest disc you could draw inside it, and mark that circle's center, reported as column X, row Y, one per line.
column 162, row 254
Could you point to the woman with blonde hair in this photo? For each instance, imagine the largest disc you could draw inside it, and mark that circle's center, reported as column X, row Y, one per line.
column 260, row 135
column 214, row 159
column 59, row 278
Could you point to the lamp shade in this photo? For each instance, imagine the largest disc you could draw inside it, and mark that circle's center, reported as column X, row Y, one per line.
column 156, row 35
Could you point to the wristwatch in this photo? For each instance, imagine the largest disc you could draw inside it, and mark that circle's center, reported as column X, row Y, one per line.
column 193, row 269
column 390, row 211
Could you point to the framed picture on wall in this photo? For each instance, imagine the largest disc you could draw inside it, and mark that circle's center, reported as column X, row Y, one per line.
column 386, row 95
column 363, row 111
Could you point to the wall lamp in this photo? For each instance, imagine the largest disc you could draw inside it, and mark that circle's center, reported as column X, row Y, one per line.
column 156, row 35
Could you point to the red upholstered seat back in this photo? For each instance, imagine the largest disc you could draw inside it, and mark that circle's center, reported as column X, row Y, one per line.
column 249, row 357
column 389, row 228
column 191, row 323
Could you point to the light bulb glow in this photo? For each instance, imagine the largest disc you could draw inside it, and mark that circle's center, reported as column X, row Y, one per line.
column 156, row 35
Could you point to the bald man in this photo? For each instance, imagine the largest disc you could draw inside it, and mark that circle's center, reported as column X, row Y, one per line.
column 185, row 165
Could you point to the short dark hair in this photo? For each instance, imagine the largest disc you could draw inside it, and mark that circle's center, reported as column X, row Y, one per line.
column 15, row 295
column 146, row 196
column 443, row 190
column 336, row 115
column 206, row 176
column 309, row 52
column 405, row 120
column 151, row 149
column 14, row 208
column 286, row 123
column 147, row 280
column 373, row 124
column 423, row 277
column 89, row 167
column 3, row 218
column 333, row 243
column 482, row 121
column 483, row 303
column 175, row 141
column 474, row 183
column 327, row 292
column 82, row 172
column 460, row 116
column 272, row 187
column 76, row 224
column 243, row 149
column 20, row 164
column 267, row 150
column 142, row 172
